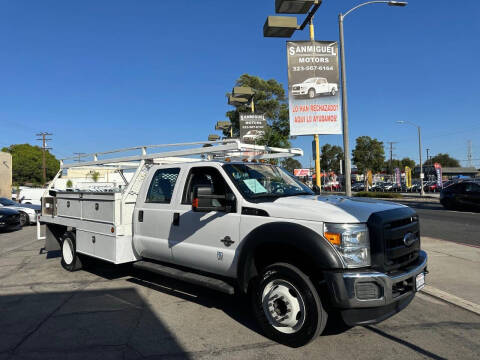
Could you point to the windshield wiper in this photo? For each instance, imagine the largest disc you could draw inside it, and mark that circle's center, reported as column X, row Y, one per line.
column 299, row 193
column 268, row 195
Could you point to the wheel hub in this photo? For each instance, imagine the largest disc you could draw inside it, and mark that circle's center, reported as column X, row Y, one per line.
column 67, row 251
column 283, row 306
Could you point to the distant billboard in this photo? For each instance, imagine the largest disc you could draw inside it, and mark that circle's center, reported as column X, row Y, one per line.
column 313, row 87
column 252, row 127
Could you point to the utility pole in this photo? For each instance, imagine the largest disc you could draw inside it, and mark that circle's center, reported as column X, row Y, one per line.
column 391, row 143
column 469, row 153
column 44, row 140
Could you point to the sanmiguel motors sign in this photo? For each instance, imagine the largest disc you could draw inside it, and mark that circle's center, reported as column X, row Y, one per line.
column 313, row 87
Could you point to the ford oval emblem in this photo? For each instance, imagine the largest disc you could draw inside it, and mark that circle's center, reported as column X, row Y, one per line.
column 409, row 238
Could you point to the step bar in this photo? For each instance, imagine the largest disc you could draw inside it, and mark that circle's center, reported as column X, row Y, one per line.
column 189, row 277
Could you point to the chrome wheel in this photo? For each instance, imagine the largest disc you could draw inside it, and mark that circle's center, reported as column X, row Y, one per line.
column 67, row 251
column 284, row 306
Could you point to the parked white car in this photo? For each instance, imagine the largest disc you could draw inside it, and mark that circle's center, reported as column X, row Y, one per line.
column 28, row 213
column 313, row 87
column 30, row 196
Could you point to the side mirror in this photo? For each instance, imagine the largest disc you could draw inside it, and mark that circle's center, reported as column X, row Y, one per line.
column 202, row 199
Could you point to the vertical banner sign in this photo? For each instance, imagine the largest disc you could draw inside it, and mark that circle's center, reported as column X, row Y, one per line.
column 398, row 177
column 438, row 171
column 313, row 87
column 252, row 127
column 408, row 177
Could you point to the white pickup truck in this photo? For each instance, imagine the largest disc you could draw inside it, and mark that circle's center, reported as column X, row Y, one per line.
column 314, row 86
column 247, row 227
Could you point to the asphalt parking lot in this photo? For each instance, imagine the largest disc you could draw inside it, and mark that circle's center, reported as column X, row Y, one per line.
column 111, row 312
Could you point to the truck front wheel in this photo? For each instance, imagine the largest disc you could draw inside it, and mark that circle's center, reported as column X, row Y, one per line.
column 287, row 306
column 311, row 93
column 70, row 258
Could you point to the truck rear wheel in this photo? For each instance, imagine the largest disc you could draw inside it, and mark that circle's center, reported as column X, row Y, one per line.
column 70, row 258
column 287, row 306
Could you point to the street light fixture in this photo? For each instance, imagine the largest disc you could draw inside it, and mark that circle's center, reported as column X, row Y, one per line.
column 236, row 101
column 422, row 192
column 245, row 92
column 346, row 143
column 224, row 126
column 280, row 26
column 293, row 6
column 213, row 137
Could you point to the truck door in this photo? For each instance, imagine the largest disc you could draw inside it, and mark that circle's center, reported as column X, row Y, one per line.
column 153, row 215
column 206, row 240
column 321, row 86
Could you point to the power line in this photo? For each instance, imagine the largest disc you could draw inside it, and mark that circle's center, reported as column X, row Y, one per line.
column 44, row 140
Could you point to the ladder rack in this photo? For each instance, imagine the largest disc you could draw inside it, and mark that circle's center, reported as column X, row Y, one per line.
column 232, row 148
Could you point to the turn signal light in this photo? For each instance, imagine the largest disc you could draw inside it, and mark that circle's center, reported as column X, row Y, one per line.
column 195, row 203
column 335, row 239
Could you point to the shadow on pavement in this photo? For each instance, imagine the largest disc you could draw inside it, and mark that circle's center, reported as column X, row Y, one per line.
column 85, row 324
column 408, row 344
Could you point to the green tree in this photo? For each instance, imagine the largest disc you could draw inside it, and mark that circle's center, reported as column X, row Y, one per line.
column 330, row 157
column 368, row 154
column 95, row 176
column 27, row 164
column 290, row 163
column 443, row 159
column 396, row 163
column 407, row 162
column 269, row 100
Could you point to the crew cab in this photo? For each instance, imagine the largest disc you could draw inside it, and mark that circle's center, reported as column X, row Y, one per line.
column 250, row 228
column 314, row 86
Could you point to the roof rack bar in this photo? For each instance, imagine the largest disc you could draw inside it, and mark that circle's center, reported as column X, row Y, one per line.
column 195, row 151
column 152, row 146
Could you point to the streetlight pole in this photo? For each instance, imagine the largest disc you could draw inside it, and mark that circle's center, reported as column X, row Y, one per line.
column 346, row 143
column 422, row 192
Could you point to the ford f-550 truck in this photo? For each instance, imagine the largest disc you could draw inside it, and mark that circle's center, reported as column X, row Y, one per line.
column 314, row 86
column 233, row 222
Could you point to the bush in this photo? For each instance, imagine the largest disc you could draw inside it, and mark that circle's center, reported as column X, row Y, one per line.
column 371, row 194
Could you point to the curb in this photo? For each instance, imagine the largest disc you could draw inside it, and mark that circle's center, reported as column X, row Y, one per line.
column 451, row 299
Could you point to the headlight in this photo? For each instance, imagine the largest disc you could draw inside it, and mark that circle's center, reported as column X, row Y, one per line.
column 351, row 241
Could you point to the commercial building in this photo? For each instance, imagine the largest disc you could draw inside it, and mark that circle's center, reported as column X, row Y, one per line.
column 5, row 175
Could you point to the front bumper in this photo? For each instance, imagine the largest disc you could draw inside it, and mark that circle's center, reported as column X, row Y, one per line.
column 299, row 92
column 367, row 297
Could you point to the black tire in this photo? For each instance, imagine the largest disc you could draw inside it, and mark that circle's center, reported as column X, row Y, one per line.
column 70, row 259
column 271, row 308
column 311, row 93
column 24, row 219
column 333, row 92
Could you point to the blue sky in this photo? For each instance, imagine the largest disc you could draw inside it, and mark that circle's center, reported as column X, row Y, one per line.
column 107, row 74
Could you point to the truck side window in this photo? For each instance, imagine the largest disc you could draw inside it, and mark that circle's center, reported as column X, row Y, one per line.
column 161, row 187
column 208, row 176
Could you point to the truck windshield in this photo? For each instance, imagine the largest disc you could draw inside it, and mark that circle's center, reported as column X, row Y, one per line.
column 256, row 181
